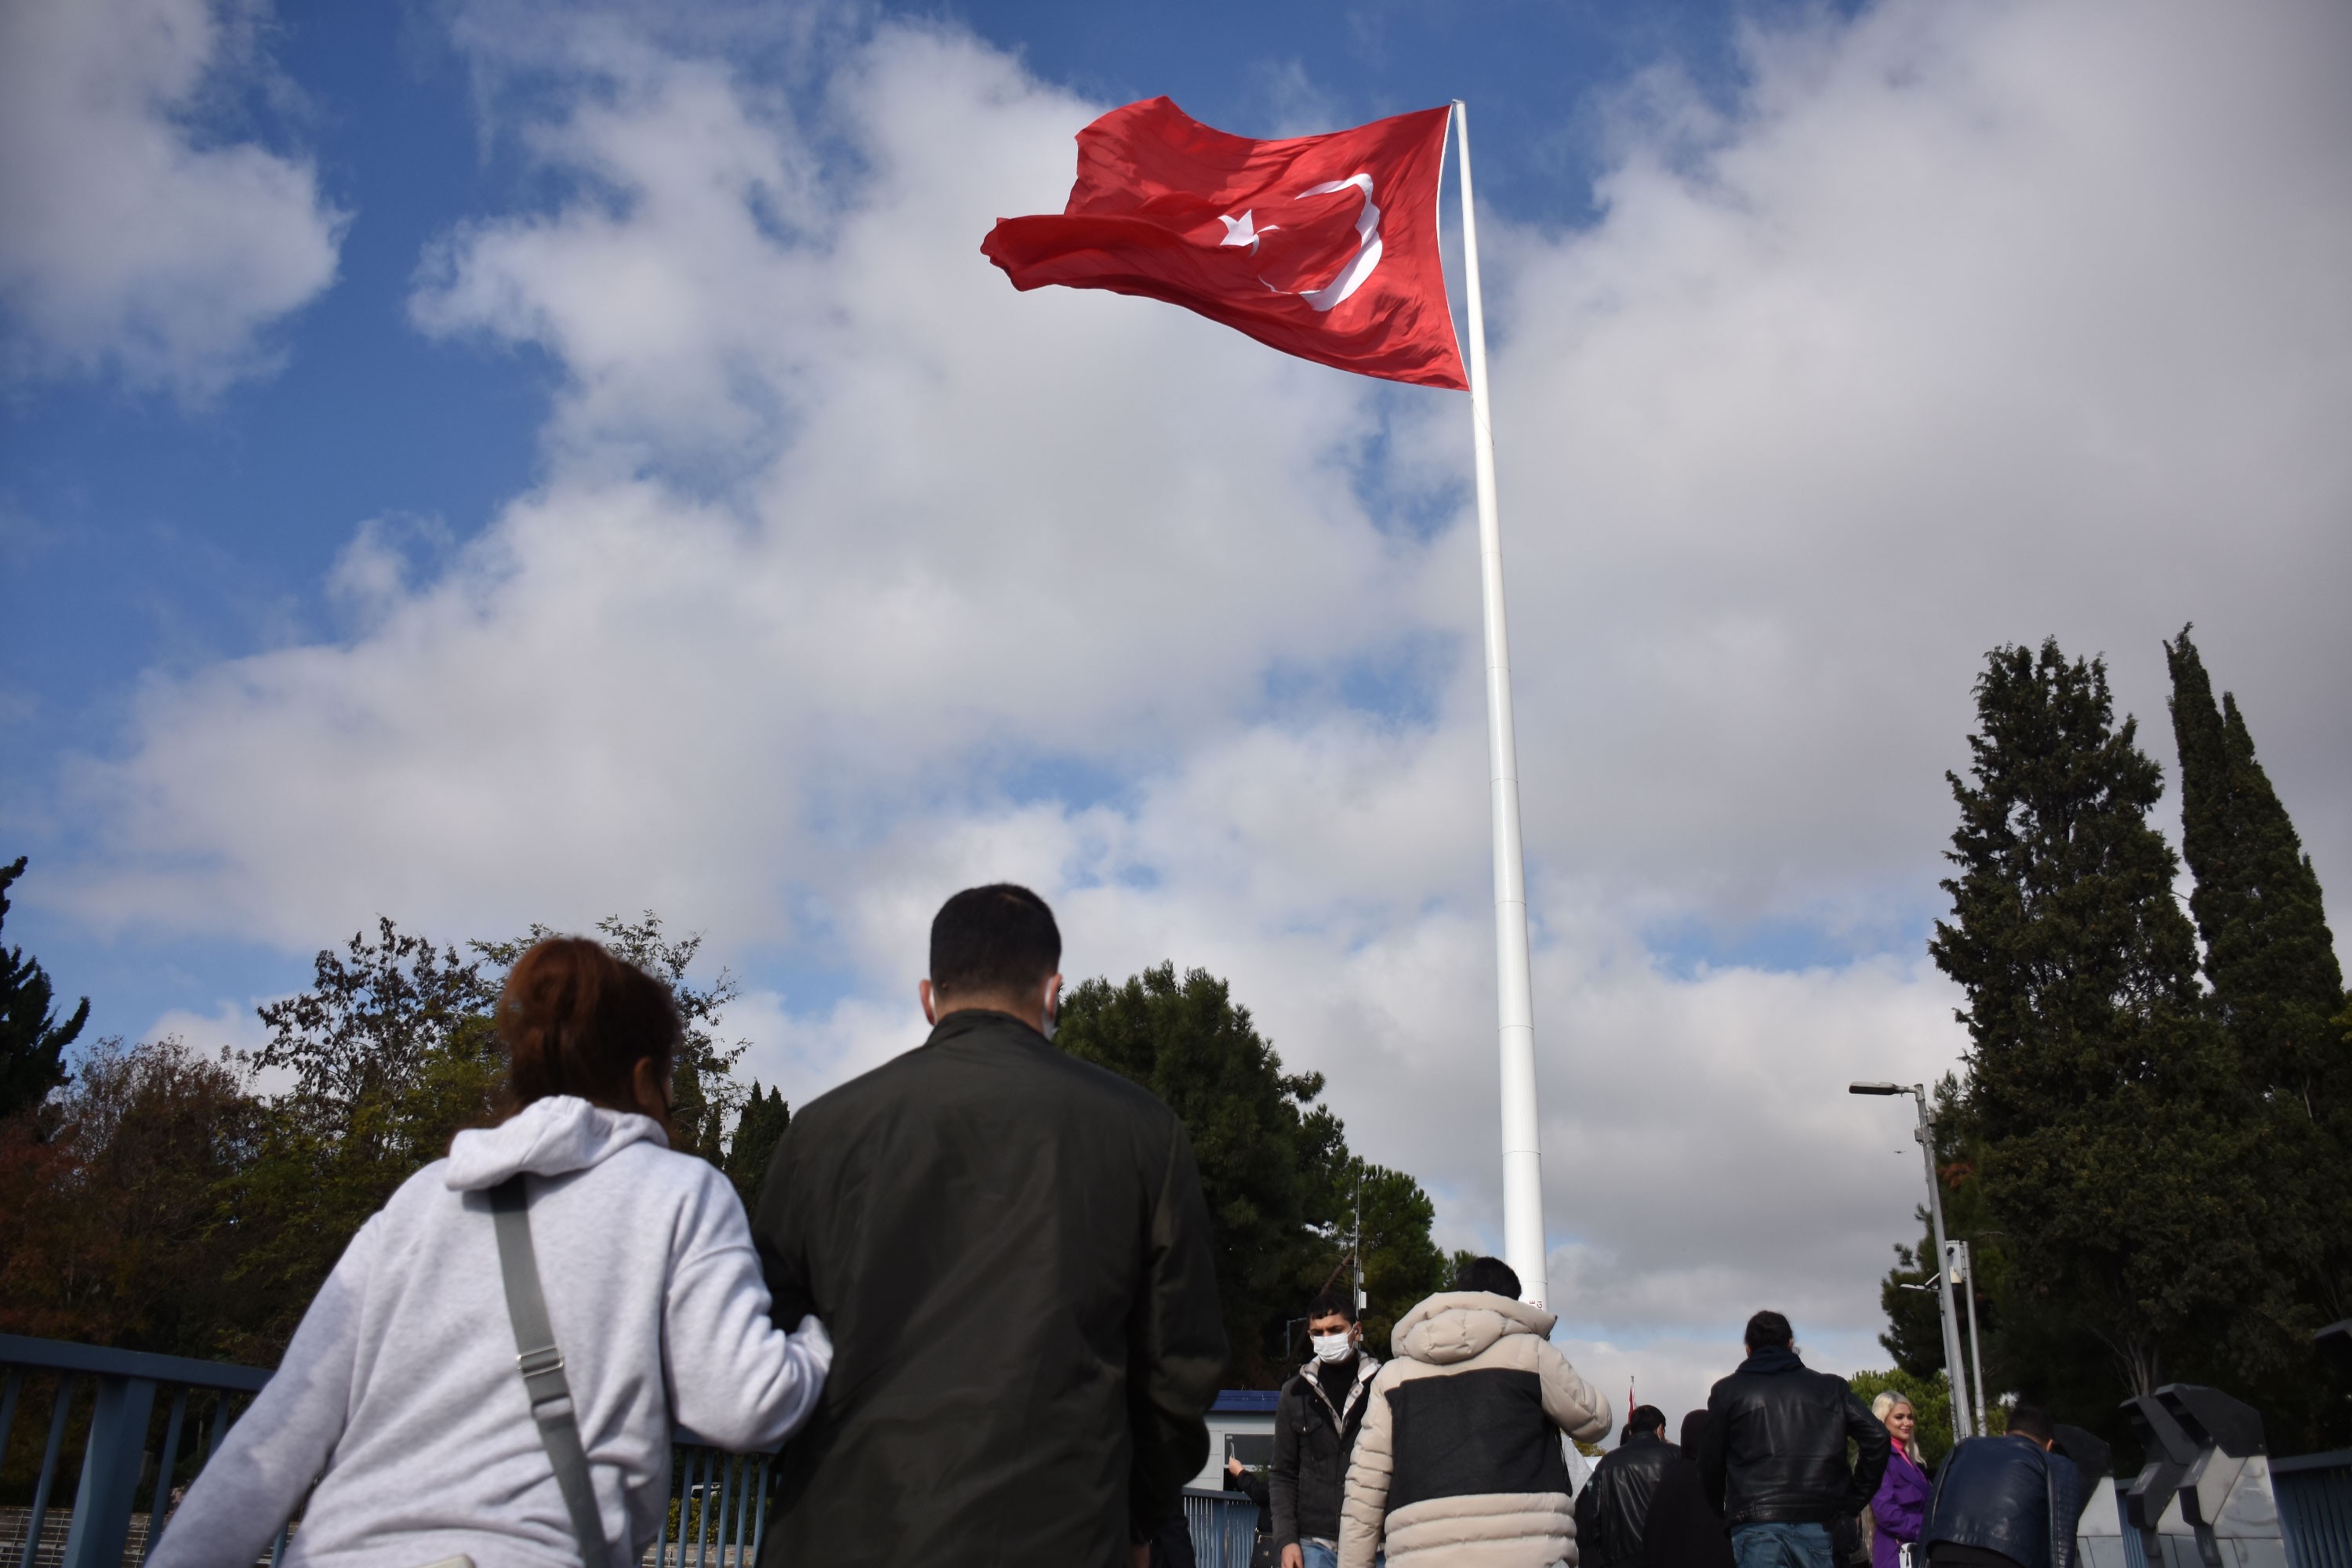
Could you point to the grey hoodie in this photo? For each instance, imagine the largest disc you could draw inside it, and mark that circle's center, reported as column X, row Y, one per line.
column 400, row 1386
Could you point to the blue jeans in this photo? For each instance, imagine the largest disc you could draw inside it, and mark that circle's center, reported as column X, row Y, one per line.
column 1324, row 1557
column 1780, row 1545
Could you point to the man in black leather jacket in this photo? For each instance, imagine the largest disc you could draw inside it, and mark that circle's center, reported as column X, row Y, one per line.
column 2005, row 1502
column 1612, row 1511
column 1774, row 1457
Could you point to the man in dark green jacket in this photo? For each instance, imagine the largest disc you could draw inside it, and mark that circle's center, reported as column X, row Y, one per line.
column 1010, row 1250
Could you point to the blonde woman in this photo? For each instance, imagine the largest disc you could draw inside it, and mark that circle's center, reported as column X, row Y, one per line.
column 1901, row 1506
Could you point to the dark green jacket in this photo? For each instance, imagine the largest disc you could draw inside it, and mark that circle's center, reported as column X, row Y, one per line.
column 1010, row 1250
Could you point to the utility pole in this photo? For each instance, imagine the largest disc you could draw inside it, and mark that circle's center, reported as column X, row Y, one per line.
column 1363, row 1300
column 1960, row 1266
column 1955, row 1369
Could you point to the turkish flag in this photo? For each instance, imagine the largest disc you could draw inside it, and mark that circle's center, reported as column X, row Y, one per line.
column 1323, row 246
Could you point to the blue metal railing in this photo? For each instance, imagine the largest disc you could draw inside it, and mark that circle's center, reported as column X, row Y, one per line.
column 1224, row 1526
column 2315, row 1503
column 718, row 1515
column 115, row 1445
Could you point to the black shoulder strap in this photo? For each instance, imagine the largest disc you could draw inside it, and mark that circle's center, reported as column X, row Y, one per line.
column 542, row 1368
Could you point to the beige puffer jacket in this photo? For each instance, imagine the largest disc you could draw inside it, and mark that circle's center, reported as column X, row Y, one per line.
column 1459, row 1460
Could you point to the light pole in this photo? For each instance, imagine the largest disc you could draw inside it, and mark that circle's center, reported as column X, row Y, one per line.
column 1362, row 1300
column 1959, row 1265
column 1955, row 1369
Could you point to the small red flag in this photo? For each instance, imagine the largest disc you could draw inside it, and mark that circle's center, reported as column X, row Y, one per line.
column 1323, row 246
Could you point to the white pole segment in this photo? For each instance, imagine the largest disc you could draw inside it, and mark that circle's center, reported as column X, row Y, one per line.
column 1523, row 1228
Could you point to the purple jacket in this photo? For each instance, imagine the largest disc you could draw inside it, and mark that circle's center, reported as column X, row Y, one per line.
column 1899, row 1509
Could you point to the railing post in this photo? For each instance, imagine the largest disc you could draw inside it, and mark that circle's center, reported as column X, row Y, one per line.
column 42, row 1488
column 109, row 1473
column 165, row 1463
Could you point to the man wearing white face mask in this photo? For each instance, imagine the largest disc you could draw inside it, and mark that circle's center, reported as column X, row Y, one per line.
column 1315, row 1423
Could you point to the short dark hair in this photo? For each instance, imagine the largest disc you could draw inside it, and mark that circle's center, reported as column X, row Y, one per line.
column 2033, row 1421
column 1645, row 1418
column 1332, row 1304
column 996, row 941
column 1769, row 1330
column 1491, row 1275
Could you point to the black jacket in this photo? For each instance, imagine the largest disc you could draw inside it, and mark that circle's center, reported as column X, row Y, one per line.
column 1775, row 1444
column 1010, row 1250
column 1612, row 1511
column 2005, row 1495
column 1252, row 1485
column 1312, row 1442
column 1683, row 1531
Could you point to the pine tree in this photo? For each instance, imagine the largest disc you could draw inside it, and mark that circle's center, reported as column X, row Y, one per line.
column 757, row 1131
column 2104, row 1096
column 1275, row 1165
column 2276, row 986
column 32, row 1042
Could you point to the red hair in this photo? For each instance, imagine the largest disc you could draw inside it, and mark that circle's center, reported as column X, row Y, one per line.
column 576, row 1020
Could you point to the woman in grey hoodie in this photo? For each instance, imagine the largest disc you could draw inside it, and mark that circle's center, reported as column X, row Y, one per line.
column 400, row 1392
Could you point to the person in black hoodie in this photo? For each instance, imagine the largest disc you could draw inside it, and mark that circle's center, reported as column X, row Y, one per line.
column 1774, row 1458
column 1683, row 1531
column 1612, row 1511
column 1011, row 1250
column 1315, row 1425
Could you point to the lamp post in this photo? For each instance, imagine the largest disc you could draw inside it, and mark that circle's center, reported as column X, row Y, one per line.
column 1961, row 1265
column 1955, row 1369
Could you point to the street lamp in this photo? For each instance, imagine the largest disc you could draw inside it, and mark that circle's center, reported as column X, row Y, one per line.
column 1955, row 1369
column 1959, row 1265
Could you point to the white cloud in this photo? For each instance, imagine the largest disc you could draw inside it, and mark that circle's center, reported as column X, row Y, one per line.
column 133, row 237
column 857, row 576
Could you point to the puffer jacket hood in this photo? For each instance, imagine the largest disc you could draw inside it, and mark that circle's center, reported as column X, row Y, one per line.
column 1460, row 1462
column 551, row 1137
column 1454, row 1326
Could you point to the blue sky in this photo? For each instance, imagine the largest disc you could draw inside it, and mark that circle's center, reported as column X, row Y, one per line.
column 488, row 462
column 147, row 533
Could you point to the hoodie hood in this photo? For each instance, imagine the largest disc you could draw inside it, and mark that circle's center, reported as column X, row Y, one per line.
column 551, row 1137
column 1456, row 1325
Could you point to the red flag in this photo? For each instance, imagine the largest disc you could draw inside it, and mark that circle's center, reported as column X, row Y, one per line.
column 1323, row 246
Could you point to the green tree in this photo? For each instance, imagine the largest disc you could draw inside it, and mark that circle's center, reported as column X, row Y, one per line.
column 391, row 1053
column 2271, row 961
column 32, row 1042
column 2114, row 1134
column 705, row 1096
column 1402, row 1264
column 2276, row 985
column 1256, row 1129
column 112, row 1235
column 757, row 1131
column 1275, row 1166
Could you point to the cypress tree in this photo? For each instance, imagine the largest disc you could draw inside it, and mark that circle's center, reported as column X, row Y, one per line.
column 2276, row 987
column 2268, row 953
column 32, row 1042
column 757, row 1131
column 2099, row 1087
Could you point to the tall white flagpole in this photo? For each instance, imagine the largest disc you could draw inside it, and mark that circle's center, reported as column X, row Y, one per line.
column 1523, row 1228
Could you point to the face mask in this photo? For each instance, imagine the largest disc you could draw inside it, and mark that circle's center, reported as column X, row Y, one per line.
column 1333, row 1347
